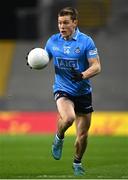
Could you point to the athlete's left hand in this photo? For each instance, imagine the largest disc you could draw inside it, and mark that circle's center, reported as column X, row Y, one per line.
column 77, row 76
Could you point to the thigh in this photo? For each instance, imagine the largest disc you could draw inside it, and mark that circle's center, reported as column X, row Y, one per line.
column 83, row 122
column 65, row 108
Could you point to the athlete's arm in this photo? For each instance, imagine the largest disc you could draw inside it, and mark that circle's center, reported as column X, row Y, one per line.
column 94, row 68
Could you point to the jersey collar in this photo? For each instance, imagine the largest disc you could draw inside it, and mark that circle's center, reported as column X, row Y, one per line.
column 75, row 35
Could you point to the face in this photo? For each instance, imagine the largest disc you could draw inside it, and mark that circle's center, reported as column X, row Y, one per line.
column 66, row 26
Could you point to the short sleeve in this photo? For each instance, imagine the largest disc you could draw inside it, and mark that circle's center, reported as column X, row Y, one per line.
column 91, row 49
column 48, row 48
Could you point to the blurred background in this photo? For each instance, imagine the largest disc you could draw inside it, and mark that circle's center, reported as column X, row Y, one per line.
column 27, row 24
column 27, row 106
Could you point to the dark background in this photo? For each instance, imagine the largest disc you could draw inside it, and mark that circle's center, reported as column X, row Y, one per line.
column 9, row 17
column 30, row 23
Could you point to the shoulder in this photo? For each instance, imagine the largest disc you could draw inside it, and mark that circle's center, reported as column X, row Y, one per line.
column 85, row 37
column 54, row 37
column 86, row 40
column 51, row 42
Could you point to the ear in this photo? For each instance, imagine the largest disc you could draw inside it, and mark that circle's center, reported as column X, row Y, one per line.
column 75, row 23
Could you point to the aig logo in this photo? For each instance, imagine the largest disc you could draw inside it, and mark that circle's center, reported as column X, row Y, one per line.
column 67, row 63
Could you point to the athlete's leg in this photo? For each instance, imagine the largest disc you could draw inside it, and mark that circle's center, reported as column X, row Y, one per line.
column 67, row 115
column 82, row 126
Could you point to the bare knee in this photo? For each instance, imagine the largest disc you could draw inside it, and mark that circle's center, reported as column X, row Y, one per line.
column 69, row 120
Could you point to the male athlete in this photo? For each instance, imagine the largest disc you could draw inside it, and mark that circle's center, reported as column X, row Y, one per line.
column 76, row 60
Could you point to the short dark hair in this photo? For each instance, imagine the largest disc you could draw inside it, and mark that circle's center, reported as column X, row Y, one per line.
column 69, row 11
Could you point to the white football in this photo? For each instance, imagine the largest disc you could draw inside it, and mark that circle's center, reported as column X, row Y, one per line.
column 38, row 58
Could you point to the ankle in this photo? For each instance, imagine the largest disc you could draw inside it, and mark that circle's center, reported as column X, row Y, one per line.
column 77, row 160
column 59, row 136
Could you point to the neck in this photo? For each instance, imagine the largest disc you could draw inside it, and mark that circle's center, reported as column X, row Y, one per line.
column 71, row 36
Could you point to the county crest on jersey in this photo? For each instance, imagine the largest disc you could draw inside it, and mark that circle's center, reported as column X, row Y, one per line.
column 67, row 54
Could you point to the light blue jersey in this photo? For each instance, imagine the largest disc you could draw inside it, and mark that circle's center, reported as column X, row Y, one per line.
column 67, row 54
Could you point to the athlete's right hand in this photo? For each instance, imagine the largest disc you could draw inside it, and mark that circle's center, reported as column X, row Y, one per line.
column 27, row 61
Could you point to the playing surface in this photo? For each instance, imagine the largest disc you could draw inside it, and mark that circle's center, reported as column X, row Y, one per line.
column 30, row 157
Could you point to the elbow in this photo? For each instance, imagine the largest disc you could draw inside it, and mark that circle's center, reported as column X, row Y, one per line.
column 98, row 67
column 98, row 70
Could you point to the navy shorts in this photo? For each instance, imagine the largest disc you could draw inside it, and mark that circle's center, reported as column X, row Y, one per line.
column 82, row 104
